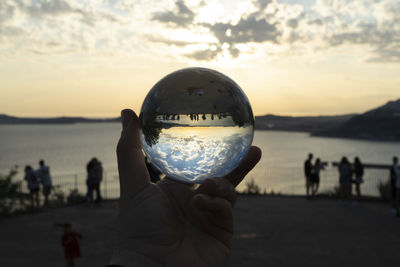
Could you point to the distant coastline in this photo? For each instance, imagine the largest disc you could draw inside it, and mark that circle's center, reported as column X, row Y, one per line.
column 379, row 124
column 265, row 122
column 6, row 119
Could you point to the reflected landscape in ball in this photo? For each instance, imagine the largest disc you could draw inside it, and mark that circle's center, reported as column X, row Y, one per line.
column 196, row 123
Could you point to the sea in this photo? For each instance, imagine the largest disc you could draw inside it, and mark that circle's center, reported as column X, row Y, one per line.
column 67, row 148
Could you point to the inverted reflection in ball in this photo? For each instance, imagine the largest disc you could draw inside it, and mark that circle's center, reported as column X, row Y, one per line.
column 196, row 123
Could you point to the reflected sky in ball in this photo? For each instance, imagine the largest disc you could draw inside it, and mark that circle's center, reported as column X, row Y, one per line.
column 192, row 154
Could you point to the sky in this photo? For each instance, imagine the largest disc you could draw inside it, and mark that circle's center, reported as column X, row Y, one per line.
column 290, row 57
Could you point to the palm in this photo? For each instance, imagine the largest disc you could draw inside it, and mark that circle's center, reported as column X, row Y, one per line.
column 171, row 220
column 170, row 223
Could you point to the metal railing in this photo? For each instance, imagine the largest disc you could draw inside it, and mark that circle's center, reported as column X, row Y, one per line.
column 67, row 183
column 291, row 180
column 283, row 180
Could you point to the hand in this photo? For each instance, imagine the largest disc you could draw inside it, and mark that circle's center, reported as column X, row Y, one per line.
column 170, row 223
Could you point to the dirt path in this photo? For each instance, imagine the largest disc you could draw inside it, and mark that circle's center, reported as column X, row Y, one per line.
column 269, row 231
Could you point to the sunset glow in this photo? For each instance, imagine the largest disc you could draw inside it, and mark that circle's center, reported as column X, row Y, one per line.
column 291, row 57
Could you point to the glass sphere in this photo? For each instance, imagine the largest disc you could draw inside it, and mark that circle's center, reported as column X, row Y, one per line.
column 196, row 123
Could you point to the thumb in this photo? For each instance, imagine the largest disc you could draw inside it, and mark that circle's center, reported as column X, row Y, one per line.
column 133, row 174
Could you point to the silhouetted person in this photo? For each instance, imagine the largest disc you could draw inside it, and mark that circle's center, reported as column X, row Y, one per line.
column 308, row 168
column 43, row 174
column 394, row 174
column 70, row 242
column 345, row 179
column 95, row 175
column 358, row 173
column 315, row 178
column 397, row 185
column 33, row 185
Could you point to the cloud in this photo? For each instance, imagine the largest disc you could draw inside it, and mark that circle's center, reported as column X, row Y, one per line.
column 252, row 28
column 263, row 4
column 327, row 24
column 182, row 16
column 292, row 23
column 7, row 11
column 170, row 42
column 379, row 33
column 204, row 55
column 196, row 156
column 318, row 22
column 52, row 26
column 202, row 30
column 56, row 8
column 386, row 54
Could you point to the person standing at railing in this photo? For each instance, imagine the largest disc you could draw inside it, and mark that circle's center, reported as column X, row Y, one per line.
column 308, row 169
column 345, row 179
column 315, row 176
column 394, row 173
column 33, row 185
column 358, row 170
column 95, row 176
column 43, row 174
column 398, row 192
column 395, row 186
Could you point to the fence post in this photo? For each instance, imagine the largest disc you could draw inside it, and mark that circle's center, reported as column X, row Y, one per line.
column 105, row 185
column 76, row 182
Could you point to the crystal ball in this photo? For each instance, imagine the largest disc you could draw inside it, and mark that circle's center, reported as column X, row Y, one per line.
column 196, row 123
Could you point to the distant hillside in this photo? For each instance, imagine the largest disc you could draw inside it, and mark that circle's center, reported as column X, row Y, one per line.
column 300, row 124
column 382, row 123
column 5, row 119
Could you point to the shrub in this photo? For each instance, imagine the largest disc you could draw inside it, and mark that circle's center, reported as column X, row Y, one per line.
column 335, row 192
column 57, row 197
column 75, row 197
column 384, row 189
column 252, row 188
column 11, row 199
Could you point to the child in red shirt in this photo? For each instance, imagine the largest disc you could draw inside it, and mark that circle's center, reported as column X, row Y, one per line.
column 70, row 242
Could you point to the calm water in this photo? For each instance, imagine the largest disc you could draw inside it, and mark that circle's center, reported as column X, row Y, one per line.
column 67, row 149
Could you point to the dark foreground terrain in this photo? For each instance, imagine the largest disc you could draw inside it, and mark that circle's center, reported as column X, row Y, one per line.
column 269, row 231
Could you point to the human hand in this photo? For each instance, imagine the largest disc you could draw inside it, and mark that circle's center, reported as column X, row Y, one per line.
column 170, row 223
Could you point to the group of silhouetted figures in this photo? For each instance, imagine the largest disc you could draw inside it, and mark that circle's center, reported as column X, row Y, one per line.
column 41, row 178
column 172, row 117
column 36, row 179
column 194, row 116
column 312, row 172
column 350, row 174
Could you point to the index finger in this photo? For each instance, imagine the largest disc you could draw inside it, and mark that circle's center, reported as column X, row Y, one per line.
column 248, row 163
column 133, row 173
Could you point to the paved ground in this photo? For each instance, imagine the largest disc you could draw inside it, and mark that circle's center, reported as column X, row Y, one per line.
column 269, row 231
